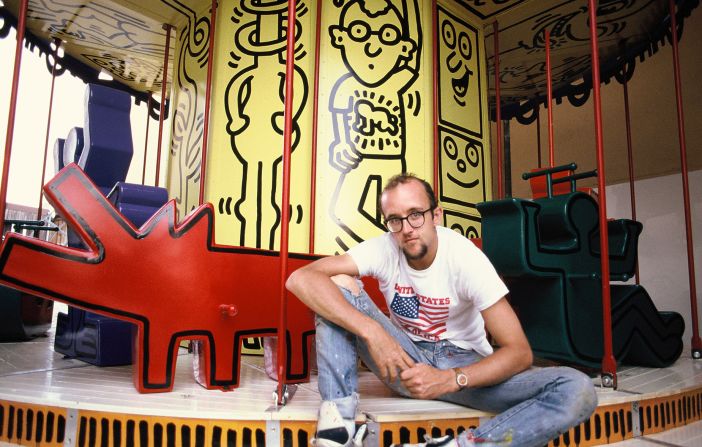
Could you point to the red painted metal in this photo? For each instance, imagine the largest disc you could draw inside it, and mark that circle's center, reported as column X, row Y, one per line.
column 57, row 43
column 285, row 207
column 549, row 95
column 538, row 137
column 146, row 140
column 159, row 301
column 21, row 24
column 696, row 341
column 630, row 160
column 498, row 113
column 435, row 88
column 208, row 92
column 609, row 364
column 315, row 124
column 164, row 83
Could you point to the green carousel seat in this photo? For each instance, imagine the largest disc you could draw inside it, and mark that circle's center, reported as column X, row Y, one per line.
column 548, row 252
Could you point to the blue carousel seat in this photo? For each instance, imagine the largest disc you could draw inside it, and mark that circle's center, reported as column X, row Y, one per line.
column 104, row 149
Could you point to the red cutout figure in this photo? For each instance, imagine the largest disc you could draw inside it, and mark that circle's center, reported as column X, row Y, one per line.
column 171, row 280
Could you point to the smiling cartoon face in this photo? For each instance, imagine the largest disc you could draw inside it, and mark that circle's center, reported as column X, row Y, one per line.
column 461, row 88
column 371, row 45
column 460, row 53
column 462, row 170
column 462, row 158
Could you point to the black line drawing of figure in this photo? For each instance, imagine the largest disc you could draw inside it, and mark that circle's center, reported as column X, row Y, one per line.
column 188, row 113
column 254, row 103
column 380, row 43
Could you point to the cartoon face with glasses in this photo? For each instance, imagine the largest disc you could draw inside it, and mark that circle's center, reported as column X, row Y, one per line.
column 380, row 49
column 371, row 41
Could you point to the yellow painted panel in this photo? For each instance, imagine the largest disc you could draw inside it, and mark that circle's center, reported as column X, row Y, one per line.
column 375, row 112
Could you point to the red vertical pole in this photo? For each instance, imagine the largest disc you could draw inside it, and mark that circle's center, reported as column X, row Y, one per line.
column 164, row 83
column 609, row 364
column 696, row 342
column 57, row 43
column 21, row 23
column 315, row 124
column 146, row 140
column 208, row 91
column 435, row 87
column 630, row 160
column 549, row 94
column 498, row 112
column 538, row 137
column 285, row 211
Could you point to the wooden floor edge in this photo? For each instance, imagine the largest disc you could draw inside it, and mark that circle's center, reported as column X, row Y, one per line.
column 45, row 425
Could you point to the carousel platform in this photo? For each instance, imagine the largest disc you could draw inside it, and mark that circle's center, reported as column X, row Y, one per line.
column 46, row 399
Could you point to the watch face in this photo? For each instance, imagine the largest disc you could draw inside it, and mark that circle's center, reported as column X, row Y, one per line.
column 462, row 379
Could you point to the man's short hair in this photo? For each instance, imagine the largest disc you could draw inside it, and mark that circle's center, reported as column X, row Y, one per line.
column 404, row 178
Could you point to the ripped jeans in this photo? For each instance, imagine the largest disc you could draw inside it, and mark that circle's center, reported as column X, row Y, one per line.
column 531, row 407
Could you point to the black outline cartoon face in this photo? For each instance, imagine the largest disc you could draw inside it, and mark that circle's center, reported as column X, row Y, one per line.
column 461, row 52
column 372, row 47
column 459, row 172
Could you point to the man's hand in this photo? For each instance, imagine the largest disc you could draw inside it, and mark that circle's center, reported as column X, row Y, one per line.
column 387, row 354
column 426, row 382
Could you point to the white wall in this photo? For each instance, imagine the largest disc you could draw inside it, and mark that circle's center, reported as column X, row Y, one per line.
column 662, row 245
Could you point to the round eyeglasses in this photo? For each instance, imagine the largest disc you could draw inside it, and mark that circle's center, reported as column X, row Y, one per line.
column 415, row 220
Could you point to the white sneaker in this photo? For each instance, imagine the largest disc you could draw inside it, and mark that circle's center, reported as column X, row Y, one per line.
column 335, row 431
column 444, row 441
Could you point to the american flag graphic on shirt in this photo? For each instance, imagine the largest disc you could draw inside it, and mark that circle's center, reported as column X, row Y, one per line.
column 425, row 318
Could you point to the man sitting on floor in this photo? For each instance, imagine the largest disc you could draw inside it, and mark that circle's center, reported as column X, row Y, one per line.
column 443, row 294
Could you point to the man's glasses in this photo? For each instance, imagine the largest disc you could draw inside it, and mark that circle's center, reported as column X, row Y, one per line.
column 415, row 220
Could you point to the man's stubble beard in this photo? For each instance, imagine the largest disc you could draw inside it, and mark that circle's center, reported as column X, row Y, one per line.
column 423, row 249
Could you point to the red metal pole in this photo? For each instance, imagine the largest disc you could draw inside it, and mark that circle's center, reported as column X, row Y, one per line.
column 208, row 91
column 630, row 159
column 609, row 364
column 164, row 83
column 549, row 94
column 696, row 341
column 435, row 87
column 538, row 136
column 285, row 212
column 315, row 123
column 21, row 23
column 146, row 140
column 57, row 43
column 498, row 112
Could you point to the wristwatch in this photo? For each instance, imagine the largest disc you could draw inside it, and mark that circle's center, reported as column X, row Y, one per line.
column 461, row 378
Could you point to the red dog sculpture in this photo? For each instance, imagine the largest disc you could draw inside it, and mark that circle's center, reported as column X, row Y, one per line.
column 171, row 280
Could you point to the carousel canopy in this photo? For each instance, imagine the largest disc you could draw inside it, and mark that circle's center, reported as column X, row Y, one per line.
column 127, row 39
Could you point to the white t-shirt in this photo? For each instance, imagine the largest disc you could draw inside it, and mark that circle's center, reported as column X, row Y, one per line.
column 442, row 302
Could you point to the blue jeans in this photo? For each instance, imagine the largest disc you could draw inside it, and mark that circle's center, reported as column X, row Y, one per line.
column 531, row 408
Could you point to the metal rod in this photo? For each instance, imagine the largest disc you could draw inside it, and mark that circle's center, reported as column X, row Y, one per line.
column 164, row 83
column 285, row 212
column 57, row 44
column 498, row 113
column 630, row 160
column 609, row 364
column 146, row 140
column 21, row 23
column 696, row 341
column 549, row 95
column 208, row 93
column 315, row 124
column 435, row 102
column 538, row 137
